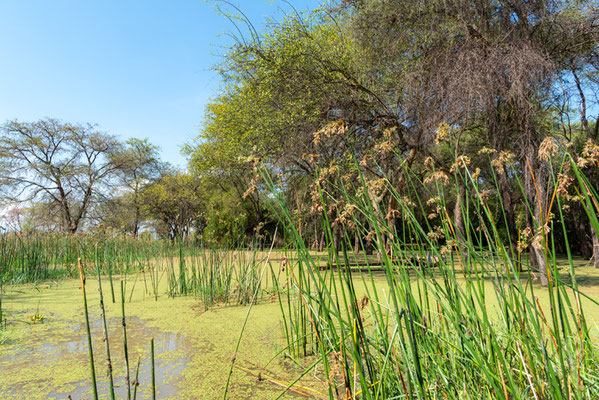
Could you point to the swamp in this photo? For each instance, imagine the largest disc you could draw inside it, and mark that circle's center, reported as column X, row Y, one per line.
column 378, row 200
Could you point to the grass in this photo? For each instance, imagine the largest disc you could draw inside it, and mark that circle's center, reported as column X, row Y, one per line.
column 445, row 316
column 431, row 333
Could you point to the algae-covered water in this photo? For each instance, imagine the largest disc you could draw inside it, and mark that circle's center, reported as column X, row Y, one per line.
column 193, row 349
column 47, row 357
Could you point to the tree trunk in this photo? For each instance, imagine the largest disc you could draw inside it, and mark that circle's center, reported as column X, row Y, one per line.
column 458, row 220
column 595, row 247
column 541, row 264
column 583, row 238
column 510, row 214
column 321, row 243
column 136, row 222
column 137, row 211
column 534, row 185
column 532, row 259
column 368, row 244
column 337, row 238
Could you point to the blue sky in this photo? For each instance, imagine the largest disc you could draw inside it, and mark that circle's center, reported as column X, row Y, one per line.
column 137, row 68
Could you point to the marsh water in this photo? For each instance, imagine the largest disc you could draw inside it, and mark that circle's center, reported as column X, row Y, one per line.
column 172, row 350
column 44, row 349
column 47, row 357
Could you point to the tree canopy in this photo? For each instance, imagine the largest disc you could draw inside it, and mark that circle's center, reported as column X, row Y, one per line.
column 391, row 86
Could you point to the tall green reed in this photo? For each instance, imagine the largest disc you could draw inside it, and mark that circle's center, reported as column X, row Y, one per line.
column 38, row 256
column 213, row 274
column 153, row 369
column 426, row 328
column 105, row 331
column 88, row 330
column 125, row 347
column 1, row 315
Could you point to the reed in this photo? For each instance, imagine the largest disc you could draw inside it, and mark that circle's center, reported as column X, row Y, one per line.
column 88, row 330
column 247, row 315
column 111, row 283
column 1, row 316
column 125, row 348
column 136, row 381
column 105, row 331
column 153, row 369
column 128, row 381
column 38, row 256
column 214, row 275
column 428, row 333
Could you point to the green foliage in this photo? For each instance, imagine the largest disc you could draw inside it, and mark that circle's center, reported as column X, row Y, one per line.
column 65, row 165
column 176, row 201
column 226, row 218
column 401, row 85
column 139, row 166
column 430, row 331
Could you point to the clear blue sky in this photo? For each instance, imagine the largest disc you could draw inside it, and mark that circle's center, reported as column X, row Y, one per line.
column 136, row 68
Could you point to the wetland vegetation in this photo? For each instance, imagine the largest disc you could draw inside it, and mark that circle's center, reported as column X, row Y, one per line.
column 387, row 200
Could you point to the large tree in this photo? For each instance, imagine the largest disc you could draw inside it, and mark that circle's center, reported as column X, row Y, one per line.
column 490, row 67
column 67, row 165
column 140, row 166
column 394, row 83
column 176, row 202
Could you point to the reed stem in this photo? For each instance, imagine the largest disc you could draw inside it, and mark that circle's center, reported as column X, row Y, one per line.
column 136, row 381
column 89, row 335
column 124, row 323
column 105, row 328
column 153, row 370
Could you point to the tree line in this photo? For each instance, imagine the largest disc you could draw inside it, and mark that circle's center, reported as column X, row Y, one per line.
column 406, row 95
column 62, row 177
column 498, row 90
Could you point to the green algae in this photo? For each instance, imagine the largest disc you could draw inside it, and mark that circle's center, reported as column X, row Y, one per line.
column 193, row 346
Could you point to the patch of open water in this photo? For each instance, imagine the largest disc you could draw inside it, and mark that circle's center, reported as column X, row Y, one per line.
column 172, row 354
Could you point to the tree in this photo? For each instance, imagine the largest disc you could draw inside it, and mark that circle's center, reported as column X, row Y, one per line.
column 13, row 218
column 116, row 213
column 139, row 166
column 492, row 64
column 176, row 201
column 67, row 165
column 263, row 113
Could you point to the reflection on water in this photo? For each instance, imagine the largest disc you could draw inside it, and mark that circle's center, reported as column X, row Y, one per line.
column 172, row 354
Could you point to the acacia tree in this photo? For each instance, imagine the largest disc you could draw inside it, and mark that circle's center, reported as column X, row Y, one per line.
column 67, row 165
column 139, row 166
column 483, row 64
column 176, row 201
column 288, row 123
column 389, row 75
